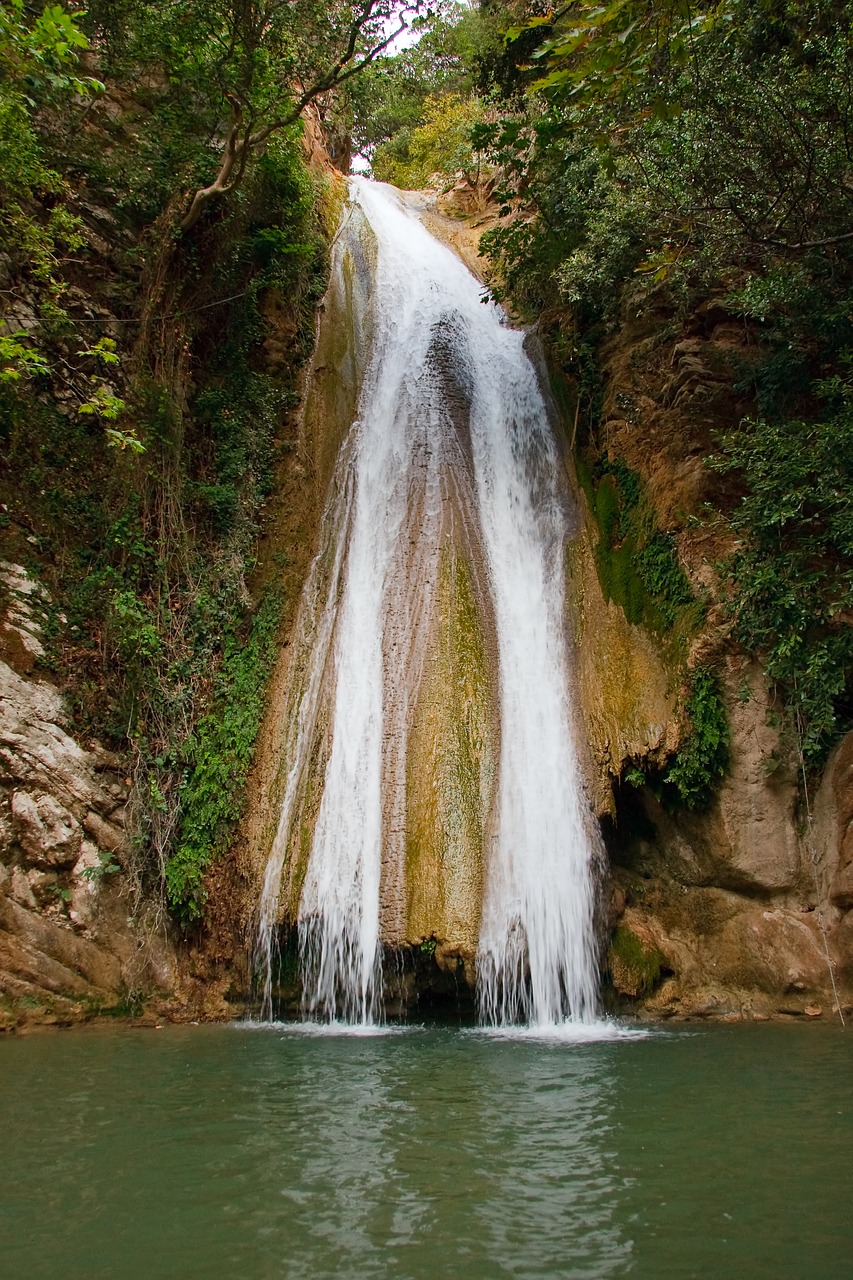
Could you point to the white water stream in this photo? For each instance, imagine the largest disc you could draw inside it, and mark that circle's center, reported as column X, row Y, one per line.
column 363, row 629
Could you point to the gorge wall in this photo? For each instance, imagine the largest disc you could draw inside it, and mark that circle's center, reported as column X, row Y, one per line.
column 736, row 909
column 71, row 945
column 147, row 389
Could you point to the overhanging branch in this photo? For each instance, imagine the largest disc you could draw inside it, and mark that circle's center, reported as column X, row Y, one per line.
column 240, row 141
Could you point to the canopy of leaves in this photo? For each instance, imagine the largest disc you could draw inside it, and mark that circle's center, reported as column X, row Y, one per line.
column 391, row 94
column 708, row 136
column 689, row 149
column 439, row 145
column 39, row 57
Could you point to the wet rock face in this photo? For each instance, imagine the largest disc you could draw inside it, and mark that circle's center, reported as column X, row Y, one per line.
column 67, row 948
column 451, row 778
column 626, row 700
column 746, row 840
column 748, row 904
column 756, row 835
column 724, row 956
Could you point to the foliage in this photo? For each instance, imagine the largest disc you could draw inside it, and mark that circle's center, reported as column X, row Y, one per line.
column 663, row 577
column 439, row 145
column 146, row 547
column 599, row 54
column 105, row 866
column 792, row 577
column 387, row 99
column 703, row 754
column 38, row 56
column 243, row 71
column 40, row 52
column 18, row 360
column 674, row 151
column 218, row 756
column 637, row 563
column 449, row 79
column 665, row 142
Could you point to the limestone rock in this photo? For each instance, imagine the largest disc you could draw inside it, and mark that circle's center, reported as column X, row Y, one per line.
column 45, row 830
column 67, row 946
column 834, row 824
column 21, row 890
column 20, row 630
column 68, row 963
column 627, row 705
column 728, row 955
column 757, row 802
column 107, row 834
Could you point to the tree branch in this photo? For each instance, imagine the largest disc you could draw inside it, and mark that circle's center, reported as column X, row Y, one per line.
column 233, row 148
column 237, row 149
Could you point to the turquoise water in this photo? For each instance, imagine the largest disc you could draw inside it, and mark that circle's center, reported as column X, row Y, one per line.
column 428, row 1154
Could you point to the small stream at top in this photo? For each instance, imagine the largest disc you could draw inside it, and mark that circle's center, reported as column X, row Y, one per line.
column 451, row 448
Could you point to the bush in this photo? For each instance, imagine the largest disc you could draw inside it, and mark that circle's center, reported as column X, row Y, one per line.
column 219, row 753
column 440, row 144
column 703, row 756
column 791, row 581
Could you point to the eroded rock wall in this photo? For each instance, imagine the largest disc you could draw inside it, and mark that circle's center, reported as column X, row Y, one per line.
column 743, row 908
column 70, row 945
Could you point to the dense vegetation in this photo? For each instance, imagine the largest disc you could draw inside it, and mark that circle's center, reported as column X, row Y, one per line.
column 702, row 149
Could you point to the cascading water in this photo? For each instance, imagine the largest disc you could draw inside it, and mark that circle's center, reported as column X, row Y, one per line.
column 451, row 431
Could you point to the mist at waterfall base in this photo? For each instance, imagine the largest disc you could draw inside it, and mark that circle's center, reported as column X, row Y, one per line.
column 537, row 956
column 218, row 1153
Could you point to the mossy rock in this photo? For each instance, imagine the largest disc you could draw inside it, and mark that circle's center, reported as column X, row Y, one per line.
column 636, row 967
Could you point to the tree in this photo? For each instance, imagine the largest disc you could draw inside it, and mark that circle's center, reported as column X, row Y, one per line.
column 257, row 64
column 441, row 144
column 38, row 72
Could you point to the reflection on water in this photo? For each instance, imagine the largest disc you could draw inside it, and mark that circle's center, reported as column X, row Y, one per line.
column 428, row 1154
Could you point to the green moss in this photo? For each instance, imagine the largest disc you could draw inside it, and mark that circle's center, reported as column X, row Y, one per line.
column 608, row 506
column 450, row 768
column 636, row 562
column 635, row 967
column 585, row 479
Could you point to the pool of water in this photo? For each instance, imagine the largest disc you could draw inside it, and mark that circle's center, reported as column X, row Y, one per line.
column 426, row 1154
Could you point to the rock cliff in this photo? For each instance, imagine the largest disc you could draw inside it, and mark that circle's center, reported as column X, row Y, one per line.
column 740, row 909
column 72, row 943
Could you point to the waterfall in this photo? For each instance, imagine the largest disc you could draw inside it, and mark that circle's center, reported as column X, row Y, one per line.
column 451, row 447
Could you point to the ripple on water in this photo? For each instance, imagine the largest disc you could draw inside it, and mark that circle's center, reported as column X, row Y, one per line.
column 568, row 1032
column 356, row 1030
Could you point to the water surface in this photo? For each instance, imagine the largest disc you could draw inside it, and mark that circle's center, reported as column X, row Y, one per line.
column 428, row 1154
